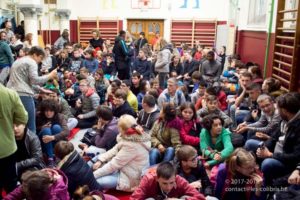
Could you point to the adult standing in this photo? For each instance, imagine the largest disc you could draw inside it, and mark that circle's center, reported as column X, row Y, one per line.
column 140, row 43
column 97, row 42
column 11, row 112
column 6, row 57
column 122, row 55
column 20, row 31
column 163, row 61
column 24, row 73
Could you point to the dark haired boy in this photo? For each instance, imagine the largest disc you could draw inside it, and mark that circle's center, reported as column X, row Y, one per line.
column 121, row 104
column 165, row 184
column 135, row 83
column 191, row 169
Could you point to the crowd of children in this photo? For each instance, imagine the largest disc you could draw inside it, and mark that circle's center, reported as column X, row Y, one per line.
column 163, row 122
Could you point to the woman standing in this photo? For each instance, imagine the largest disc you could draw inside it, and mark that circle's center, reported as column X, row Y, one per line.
column 163, row 61
column 97, row 42
column 23, row 75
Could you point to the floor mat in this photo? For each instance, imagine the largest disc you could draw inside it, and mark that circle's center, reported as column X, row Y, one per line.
column 73, row 132
column 119, row 194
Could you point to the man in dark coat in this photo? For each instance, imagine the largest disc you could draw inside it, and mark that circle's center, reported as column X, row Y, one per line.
column 140, row 43
column 122, row 54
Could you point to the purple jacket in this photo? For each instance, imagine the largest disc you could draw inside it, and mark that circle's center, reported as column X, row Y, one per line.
column 106, row 137
column 57, row 191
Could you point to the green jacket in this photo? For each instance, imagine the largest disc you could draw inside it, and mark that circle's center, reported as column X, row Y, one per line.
column 223, row 145
column 6, row 57
column 12, row 112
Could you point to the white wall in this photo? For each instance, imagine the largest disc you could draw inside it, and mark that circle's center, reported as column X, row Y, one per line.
column 244, row 13
column 208, row 9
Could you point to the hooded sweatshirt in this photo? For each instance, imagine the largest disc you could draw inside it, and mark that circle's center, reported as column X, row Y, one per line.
column 146, row 120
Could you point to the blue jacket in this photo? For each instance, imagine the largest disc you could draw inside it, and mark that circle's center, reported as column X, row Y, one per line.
column 143, row 67
column 91, row 65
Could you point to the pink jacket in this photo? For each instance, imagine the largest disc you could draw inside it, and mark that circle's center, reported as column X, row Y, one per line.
column 57, row 191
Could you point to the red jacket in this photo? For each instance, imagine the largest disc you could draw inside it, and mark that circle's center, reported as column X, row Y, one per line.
column 189, row 133
column 149, row 188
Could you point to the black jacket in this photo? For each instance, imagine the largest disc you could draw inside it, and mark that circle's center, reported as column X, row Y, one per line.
column 190, row 67
column 290, row 156
column 78, row 173
column 121, row 54
column 178, row 69
column 146, row 120
column 124, row 109
column 111, row 69
column 139, row 44
column 34, row 150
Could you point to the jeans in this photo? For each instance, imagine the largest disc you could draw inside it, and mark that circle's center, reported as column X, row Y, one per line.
column 109, row 181
column 72, row 123
column 124, row 74
column 272, row 169
column 8, row 174
column 29, row 105
column 252, row 145
column 155, row 156
column 162, row 78
column 94, row 152
column 237, row 116
column 48, row 147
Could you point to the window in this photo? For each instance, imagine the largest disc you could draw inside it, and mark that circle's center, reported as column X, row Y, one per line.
column 133, row 28
column 257, row 13
column 289, row 5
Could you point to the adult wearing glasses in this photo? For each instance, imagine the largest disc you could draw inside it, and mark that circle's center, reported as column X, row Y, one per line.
column 191, row 169
column 267, row 124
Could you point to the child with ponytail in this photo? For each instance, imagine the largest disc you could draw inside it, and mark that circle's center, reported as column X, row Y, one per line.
column 239, row 178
